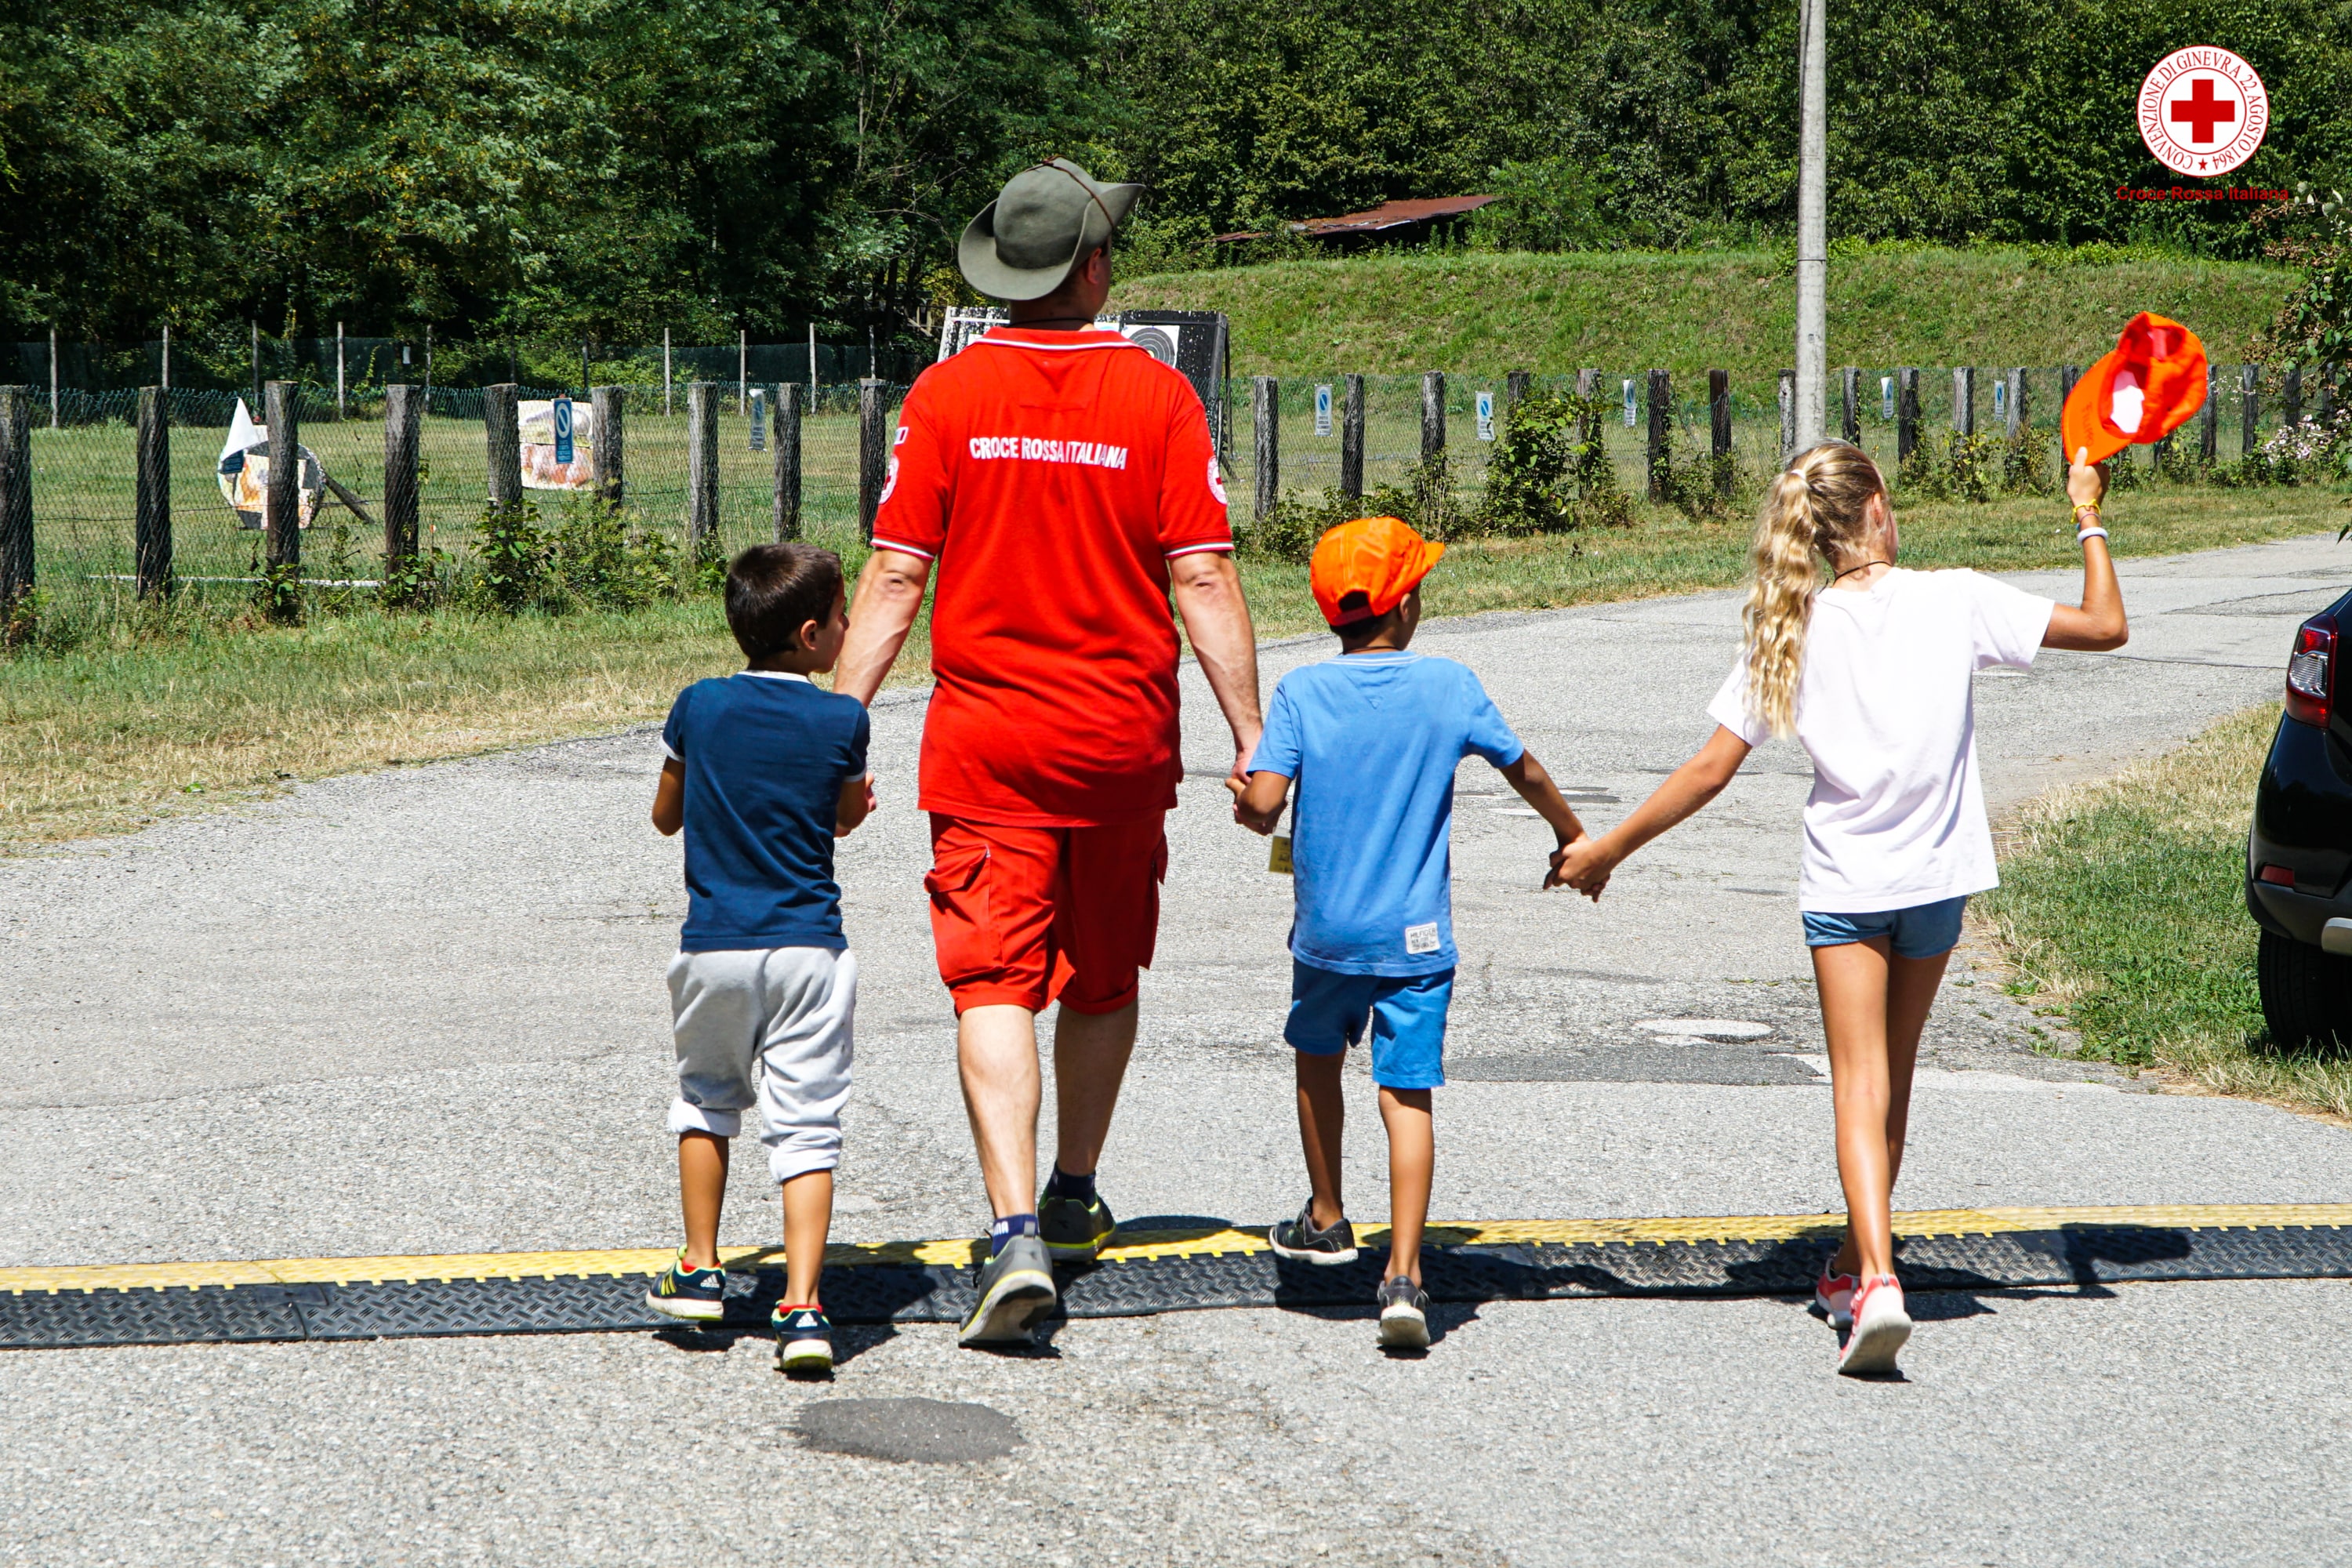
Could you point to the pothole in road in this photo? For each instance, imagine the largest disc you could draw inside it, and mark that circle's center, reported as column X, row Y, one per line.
column 910, row 1431
column 1706, row 1028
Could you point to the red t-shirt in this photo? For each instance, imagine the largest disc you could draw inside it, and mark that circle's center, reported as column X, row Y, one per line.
column 1052, row 475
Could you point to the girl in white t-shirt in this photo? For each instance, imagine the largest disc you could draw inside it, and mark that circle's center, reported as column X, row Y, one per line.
column 1872, row 673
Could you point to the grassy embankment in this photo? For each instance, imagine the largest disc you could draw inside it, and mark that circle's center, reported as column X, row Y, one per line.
column 1485, row 314
column 2122, row 905
column 130, row 728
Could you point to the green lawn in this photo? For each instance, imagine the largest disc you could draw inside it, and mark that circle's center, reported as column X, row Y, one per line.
column 2122, row 905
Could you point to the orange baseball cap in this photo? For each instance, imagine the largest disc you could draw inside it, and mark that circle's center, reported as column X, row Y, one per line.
column 2142, row 391
column 1378, row 558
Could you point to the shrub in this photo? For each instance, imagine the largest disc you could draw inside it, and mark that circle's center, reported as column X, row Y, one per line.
column 511, row 554
column 1549, row 472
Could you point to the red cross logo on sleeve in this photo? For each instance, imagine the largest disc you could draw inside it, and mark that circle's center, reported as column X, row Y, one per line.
column 2201, row 112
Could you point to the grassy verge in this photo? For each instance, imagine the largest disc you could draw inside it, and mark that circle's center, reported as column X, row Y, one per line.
column 143, row 722
column 1386, row 314
column 2122, row 904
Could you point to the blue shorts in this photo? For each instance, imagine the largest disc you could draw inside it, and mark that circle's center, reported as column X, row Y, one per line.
column 1330, row 1011
column 1923, row 931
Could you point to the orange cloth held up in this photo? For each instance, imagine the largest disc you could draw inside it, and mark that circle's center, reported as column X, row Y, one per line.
column 2141, row 392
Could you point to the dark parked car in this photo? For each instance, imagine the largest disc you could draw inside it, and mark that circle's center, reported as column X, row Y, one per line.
column 2299, row 852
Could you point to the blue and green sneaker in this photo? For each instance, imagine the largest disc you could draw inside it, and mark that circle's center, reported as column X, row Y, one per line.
column 696, row 1295
column 803, row 1341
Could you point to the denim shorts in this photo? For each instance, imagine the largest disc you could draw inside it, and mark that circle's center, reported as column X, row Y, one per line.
column 1923, row 931
column 1406, row 1016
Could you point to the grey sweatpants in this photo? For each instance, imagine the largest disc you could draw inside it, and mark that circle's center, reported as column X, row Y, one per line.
column 782, row 1013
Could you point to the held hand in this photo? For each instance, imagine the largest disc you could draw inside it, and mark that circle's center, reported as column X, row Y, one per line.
column 1257, row 822
column 1583, row 864
column 2087, row 483
column 871, row 799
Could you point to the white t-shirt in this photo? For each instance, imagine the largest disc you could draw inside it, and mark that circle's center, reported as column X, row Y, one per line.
column 1885, row 709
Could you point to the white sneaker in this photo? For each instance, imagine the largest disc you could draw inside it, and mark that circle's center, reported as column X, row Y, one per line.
column 1834, row 1296
column 1880, row 1327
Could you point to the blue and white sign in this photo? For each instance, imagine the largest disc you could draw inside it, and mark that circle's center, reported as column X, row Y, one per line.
column 1887, row 397
column 1629, row 403
column 564, row 430
column 1485, row 417
column 1322, row 411
column 759, row 419
column 2000, row 399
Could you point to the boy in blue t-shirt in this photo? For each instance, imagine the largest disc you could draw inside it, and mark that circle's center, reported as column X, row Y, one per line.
column 1372, row 739
column 764, row 770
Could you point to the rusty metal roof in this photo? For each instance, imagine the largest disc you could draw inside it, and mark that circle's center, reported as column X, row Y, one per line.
column 1387, row 216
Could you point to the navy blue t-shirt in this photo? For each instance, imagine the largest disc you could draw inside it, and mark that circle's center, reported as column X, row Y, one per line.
column 766, row 754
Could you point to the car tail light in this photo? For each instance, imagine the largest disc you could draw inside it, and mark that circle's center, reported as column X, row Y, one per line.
column 2311, row 670
column 2276, row 876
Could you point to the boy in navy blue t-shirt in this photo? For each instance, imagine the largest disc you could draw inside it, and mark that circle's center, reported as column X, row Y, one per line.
column 764, row 770
column 1372, row 739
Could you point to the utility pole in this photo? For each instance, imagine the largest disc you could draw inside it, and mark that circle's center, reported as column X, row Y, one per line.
column 1812, row 222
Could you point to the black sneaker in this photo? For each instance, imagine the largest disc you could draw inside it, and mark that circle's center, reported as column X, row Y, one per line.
column 696, row 1295
column 1016, row 1288
column 1298, row 1239
column 803, row 1341
column 1075, row 1229
column 1405, row 1315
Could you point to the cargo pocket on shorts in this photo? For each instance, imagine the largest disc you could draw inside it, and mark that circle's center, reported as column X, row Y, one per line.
column 960, row 930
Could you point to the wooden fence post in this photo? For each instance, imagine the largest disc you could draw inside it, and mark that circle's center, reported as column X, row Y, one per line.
column 702, row 471
column 1656, row 448
column 2250, row 409
column 1718, row 413
column 1788, row 417
column 1266, row 428
column 873, row 449
column 282, row 504
column 402, row 406
column 788, row 461
column 2209, row 418
column 1588, row 424
column 1515, row 386
column 15, row 498
column 1907, row 413
column 1352, row 440
column 2017, row 414
column 151, row 527
column 608, row 458
column 2327, row 395
column 2291, row 397
column 1964, row 400
column 1850, row 425
column 502, row 443
column 1432, row 414
column 2068, row 374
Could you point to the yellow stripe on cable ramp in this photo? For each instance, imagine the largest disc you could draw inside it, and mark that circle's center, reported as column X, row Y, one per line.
column 1135, row 1245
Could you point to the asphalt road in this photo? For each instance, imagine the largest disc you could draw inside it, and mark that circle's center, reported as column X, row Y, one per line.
column 421, row 1011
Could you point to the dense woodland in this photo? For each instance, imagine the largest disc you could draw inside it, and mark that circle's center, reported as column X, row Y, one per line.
column 606, row 168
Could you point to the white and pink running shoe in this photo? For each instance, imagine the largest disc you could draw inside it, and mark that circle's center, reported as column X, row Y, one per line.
column 1880, row 1327
column 1833, row 1294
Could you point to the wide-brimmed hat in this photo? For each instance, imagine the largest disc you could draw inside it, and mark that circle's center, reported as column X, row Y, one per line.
column 2141, row 391
column 1365, row 568
column 1023, row 244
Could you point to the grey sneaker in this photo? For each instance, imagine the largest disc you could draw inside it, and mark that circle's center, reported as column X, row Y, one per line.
column 1016, row 1288
column 1075, row 1229
column 1298, row 1239
column 1405, row 1315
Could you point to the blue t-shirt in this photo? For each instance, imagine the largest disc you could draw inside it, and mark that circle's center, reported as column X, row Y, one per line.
column 1372, row 741
column 766, row 754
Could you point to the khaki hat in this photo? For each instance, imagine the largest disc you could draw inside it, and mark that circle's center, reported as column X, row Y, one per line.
column 1023, row 244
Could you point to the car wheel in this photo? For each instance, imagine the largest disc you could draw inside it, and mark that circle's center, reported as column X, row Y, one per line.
column 2306, row 995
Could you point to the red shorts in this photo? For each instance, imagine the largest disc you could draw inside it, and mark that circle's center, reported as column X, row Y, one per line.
column 1022, row 916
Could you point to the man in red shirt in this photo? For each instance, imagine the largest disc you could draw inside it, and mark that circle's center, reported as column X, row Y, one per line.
column 1063, row 483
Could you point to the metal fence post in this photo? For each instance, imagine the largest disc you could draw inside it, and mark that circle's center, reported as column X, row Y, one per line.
column 2250, row 408
column 53, row 376
column 1432, row 414
column 1352, row 440
column 702, row 471
column 608, row 456
column 1907, row 413
column 402, row 405
column 788, row 461
column 1964, row 400
column 281, row 505
column 15, row 497
column 1661, row 412
column 1788, row 417
column 502, row 440
column 1265, row 427
column 1850, row 424
column 151, row 527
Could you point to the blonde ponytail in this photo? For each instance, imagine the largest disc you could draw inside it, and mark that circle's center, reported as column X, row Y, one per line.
column 1812, row 509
